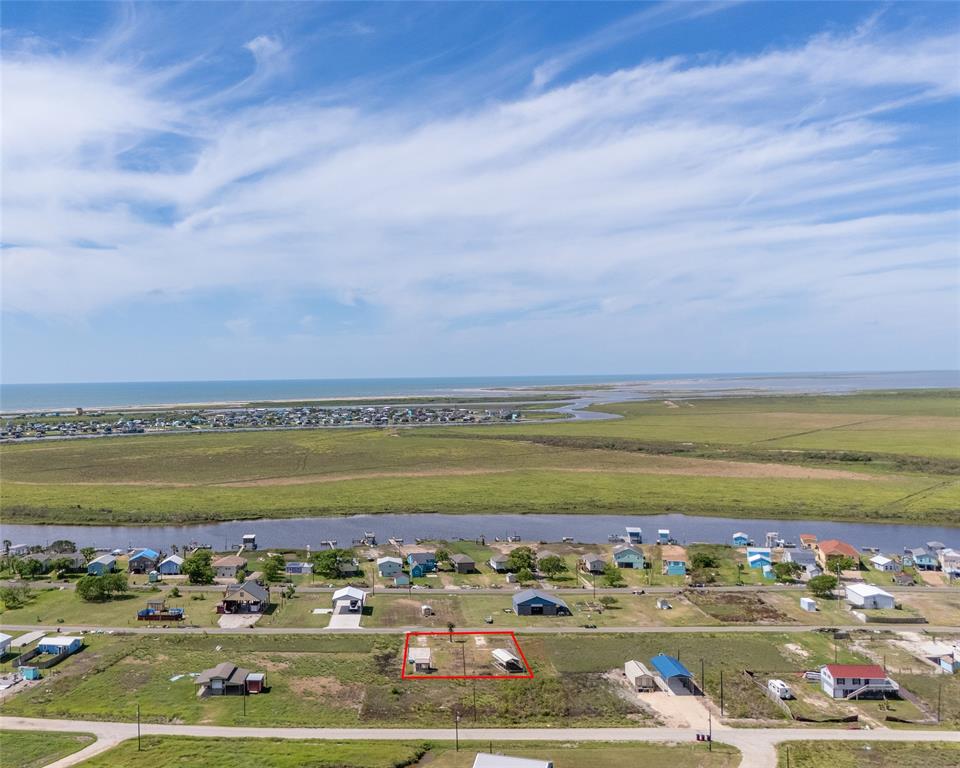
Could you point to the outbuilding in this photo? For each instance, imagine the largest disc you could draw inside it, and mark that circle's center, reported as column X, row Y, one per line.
column 227, row 679
column 421, row 658
column 808, row 604
column 295, row 568
column 500, row 563
column 484, row 760
column 639, row 677
column 673, row 673
column 5, row 641
column 507, row 661
column 533, row 602
column 740, row 539
column 869, row 596
column 349, row 600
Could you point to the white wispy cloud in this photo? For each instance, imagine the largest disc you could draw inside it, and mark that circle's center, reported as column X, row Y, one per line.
column 692, row 185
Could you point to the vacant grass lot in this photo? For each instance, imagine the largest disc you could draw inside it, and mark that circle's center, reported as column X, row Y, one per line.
column 314, row 680
column 870, row 457
column 26, row 749
column 862, row 754
column 162, row 751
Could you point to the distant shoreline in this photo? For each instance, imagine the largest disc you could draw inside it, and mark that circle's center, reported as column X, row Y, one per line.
column 19, row 399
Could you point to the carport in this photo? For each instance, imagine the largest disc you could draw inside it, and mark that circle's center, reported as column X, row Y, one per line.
column 677, row 677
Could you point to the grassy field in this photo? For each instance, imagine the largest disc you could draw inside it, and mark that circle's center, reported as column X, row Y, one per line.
column 314, row 680
column 331, row 680
column 861, row 754
column 26, row 749
column 861, row 457
column 160, row 752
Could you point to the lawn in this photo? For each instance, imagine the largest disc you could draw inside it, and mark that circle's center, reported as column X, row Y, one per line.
column 862, row 754
column 162, row 751
column 27, row 749
column 872, row 457
column 323, row 681
column 62, row 606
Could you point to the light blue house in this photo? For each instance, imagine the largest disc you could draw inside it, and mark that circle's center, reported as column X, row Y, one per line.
column 389, row 566
column 421, row 563
column 921, row 558
column 757, row 557
column 170, row 566
column 740, row 539
column 56, row 644
column 401, row 580
column 674, row 561
column 101, row 565
column 626, row 556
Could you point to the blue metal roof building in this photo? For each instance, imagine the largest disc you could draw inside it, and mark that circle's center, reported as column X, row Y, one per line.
column 674, row 674
column 669, row 667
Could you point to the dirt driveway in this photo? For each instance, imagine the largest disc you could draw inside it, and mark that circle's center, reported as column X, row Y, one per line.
column 678, row 711
column 238, row 620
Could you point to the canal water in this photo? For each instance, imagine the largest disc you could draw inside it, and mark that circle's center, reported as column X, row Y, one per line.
column 591, row 529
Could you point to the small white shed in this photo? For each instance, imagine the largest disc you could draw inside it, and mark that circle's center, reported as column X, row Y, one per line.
column 808, row 604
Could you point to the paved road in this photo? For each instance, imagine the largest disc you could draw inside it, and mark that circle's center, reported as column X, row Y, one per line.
column 798, row 589
column 551, row 630
column 756, row 744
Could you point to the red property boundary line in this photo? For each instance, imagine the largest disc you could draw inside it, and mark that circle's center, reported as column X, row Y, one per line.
column 516, row 643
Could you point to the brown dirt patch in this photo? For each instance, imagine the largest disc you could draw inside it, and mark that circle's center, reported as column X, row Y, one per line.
column 325, row 687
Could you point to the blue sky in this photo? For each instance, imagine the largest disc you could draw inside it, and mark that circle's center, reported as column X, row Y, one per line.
column 270, row 190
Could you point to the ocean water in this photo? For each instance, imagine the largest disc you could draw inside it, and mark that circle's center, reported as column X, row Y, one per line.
column 46, row 397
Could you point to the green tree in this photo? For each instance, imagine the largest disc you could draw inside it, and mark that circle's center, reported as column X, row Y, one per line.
column 822, row 585
column 175, row 592
column 841, row 562
column 442, row 556
column 89, row 553
column 27, row 567
column 608, row 601
column 60, row 565
column 612, row 576
column 702, row 560
column 199, row 567
column 524, row 575
column 16, row 596
column 786, row 572
column 63, row 546
column 450, row 627
column 274, row 568
column 522, row 558
column 326, row 563
column 98, row 588
column 553, row 566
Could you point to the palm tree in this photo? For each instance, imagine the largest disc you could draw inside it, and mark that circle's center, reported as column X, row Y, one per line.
column 450, row 626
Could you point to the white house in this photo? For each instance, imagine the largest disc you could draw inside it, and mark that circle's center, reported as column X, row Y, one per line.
column 226, row 567
column 869, row 596
column 389, row 566
column 883, row 563
column 950, row 561
column 851, row 681
column 421, row 658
